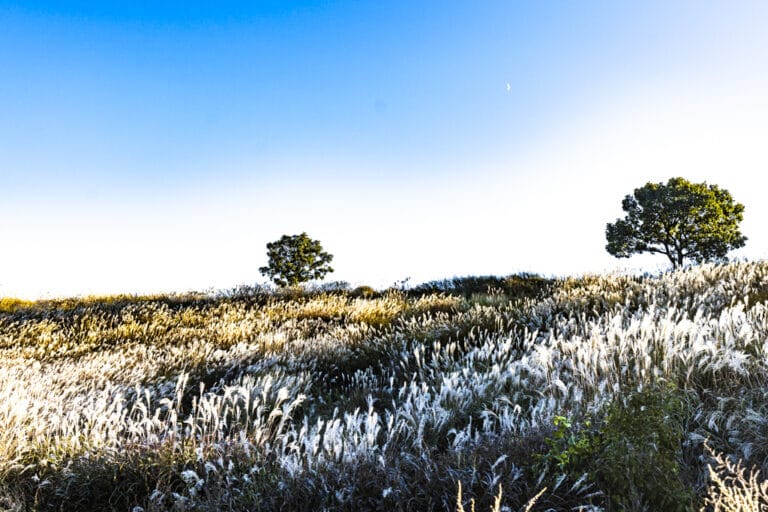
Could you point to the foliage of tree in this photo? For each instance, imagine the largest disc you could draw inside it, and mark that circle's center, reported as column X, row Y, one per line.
column 296, row 259
column 679, row 219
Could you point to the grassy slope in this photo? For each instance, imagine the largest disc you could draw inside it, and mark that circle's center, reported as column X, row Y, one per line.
column 602, row 389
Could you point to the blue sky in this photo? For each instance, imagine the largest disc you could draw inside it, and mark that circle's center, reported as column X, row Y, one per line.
column 151, row 146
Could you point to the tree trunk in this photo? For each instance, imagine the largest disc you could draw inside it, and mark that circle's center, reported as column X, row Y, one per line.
column 671, row 255
column 672, row 260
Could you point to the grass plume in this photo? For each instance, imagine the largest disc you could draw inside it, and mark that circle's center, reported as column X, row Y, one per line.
column 334, row 400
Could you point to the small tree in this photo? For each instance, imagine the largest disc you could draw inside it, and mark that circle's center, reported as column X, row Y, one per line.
column 296, row 259
column 680, row 220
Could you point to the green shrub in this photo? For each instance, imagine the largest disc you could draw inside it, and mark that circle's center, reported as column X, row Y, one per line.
column 639, row 452
column 633, row 458
column 568, row 450
column 365, row 292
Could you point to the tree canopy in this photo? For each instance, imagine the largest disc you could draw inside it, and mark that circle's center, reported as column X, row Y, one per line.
column 296, row 259
column 679, row 219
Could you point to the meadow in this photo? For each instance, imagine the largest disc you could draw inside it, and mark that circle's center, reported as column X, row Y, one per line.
column 604, row 392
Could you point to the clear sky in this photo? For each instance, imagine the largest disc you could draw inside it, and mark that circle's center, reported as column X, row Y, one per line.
column 158, row 146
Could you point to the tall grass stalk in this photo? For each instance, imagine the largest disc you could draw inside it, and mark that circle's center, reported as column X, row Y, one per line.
column 351, row 403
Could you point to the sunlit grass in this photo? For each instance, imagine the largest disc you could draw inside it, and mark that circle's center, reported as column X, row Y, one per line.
column 338, row 401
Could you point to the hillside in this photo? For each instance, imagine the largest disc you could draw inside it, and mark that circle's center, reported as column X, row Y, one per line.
column 591, row 393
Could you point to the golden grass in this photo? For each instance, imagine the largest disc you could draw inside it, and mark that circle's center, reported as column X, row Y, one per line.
column 734, row 489
column 496, row 507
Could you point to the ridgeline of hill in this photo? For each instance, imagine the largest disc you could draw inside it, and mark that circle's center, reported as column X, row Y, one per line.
column 600, row 392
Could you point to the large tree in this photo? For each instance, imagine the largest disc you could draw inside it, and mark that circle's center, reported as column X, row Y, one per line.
column 295, row 259
column 679, row 219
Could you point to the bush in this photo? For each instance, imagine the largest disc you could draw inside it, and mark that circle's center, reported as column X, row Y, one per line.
column 640, row 450
column 526, row 286
column 365, row 292
column 518, row 286
column 633, row 458
column 331, row 287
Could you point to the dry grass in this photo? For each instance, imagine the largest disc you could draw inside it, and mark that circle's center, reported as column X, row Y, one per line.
column 352, row 403
column 496, row 501
column 733, row 489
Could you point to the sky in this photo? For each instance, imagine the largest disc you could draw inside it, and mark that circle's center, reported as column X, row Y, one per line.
column 158, row 146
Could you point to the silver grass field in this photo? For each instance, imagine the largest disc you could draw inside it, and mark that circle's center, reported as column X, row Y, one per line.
column 258, row 400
